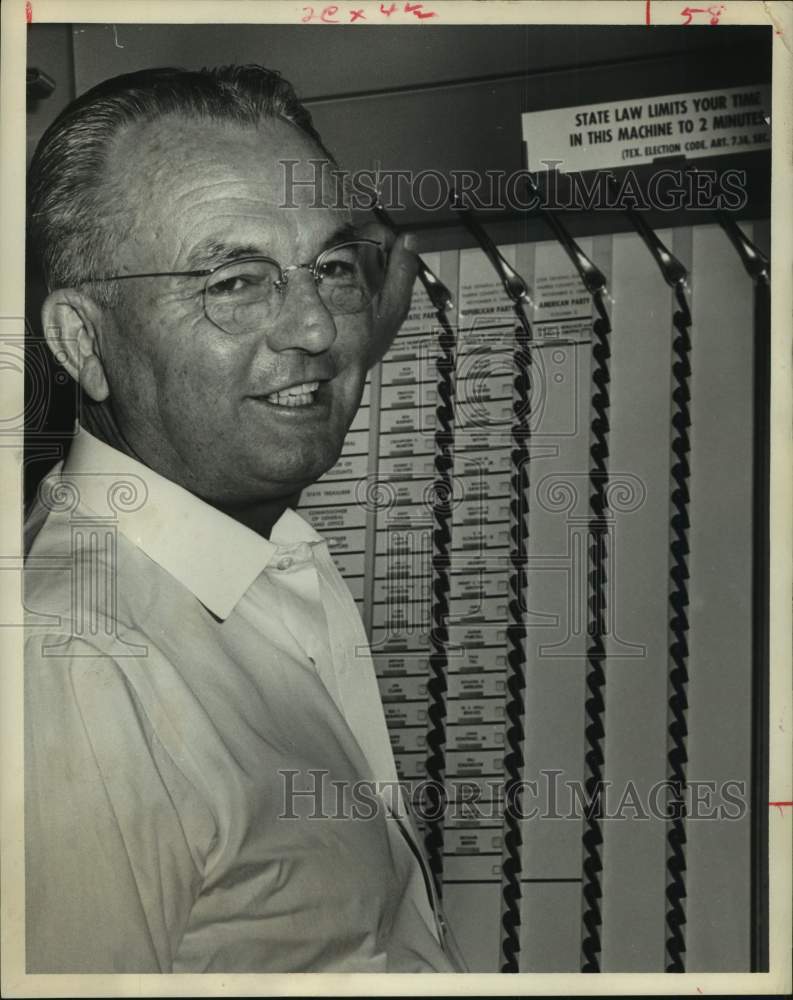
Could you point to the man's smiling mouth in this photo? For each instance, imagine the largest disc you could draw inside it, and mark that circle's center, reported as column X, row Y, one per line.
column 295, row 395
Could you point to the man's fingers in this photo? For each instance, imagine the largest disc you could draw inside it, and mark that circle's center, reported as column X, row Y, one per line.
column 400, row 276
column 377, row 231
column 394, row 300
column 402, row 267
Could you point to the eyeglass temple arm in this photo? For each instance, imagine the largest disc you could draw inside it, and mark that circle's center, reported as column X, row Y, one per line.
column 438, row 293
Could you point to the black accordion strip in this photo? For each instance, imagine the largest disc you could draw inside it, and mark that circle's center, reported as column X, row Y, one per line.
column 677, row 752
column 442, row 506
column 595, row 704
column 516, row 648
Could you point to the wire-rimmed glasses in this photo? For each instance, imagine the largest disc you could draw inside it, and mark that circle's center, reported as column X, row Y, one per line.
column 244, row 295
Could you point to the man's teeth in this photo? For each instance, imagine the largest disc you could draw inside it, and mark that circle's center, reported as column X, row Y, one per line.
column 295, row 395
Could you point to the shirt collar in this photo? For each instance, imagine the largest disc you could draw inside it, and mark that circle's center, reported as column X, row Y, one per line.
column 210, row 553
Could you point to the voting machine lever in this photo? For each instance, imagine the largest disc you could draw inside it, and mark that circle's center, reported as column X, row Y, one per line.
column 593, row 278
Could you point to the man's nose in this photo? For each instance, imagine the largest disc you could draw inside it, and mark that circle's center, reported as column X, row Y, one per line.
column 303, row 322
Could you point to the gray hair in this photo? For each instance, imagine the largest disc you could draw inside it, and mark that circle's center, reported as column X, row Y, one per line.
column 68, row 198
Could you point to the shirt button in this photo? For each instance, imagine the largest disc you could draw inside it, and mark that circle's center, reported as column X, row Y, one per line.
column 284, row 563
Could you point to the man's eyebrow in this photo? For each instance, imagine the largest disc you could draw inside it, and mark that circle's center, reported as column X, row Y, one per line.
column 347, row 231
column 212, row 253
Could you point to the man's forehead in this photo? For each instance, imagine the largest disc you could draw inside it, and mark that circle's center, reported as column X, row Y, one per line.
column 217, row 179
column 213, row 144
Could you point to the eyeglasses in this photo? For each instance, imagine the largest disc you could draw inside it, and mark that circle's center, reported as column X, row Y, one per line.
column 242, row 296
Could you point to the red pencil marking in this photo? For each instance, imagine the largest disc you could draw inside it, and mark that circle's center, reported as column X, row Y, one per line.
column 415, row 9
column 326, row 16
column 357, row 15
column 715, row 11
column 647, row 14
column 29, row 12
column 780, row 806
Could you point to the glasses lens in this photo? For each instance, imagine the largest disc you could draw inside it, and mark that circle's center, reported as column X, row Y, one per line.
column 242, row 296
column 350, row 275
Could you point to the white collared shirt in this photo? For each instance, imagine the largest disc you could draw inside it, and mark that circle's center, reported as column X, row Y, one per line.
column 183, row 677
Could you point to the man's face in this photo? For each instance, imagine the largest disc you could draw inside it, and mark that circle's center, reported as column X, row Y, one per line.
column 190, row 399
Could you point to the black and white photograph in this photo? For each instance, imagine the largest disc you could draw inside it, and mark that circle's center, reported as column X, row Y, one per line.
column 397, row 532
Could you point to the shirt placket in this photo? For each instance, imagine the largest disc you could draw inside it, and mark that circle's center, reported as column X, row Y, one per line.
column 298, row 589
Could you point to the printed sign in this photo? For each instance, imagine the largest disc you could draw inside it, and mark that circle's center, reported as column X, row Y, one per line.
column 621, row 133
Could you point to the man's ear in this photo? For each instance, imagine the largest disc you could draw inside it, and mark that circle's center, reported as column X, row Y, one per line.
column 71, row 322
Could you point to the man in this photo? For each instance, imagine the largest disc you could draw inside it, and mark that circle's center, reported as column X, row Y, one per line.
column 198, row 688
